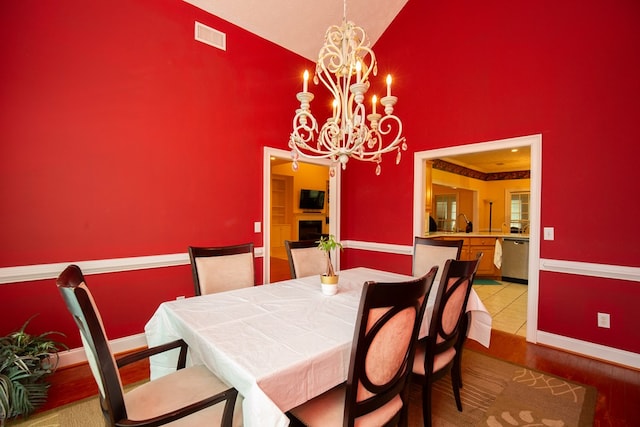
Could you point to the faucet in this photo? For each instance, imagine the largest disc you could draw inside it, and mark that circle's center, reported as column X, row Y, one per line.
column 469, row 227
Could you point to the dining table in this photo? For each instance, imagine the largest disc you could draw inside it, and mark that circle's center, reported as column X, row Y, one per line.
column 279, row 344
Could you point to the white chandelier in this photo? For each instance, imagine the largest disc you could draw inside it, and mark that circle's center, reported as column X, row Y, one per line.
column 344, row 65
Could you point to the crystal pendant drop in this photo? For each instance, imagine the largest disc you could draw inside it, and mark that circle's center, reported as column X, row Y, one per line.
column 378, row 169
column 398, row 157
column 332, row 171
column 294, row 166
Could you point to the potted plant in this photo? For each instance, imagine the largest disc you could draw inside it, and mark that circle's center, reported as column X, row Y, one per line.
column 327, row 244
column 25, row 361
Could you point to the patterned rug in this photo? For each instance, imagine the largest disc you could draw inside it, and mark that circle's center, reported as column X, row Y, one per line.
column 495, row 394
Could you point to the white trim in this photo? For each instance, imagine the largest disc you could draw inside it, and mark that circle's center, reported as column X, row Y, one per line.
column 120, row 345
column 27, row 273
column 618, row 272
column 535, row 143
column 378, row 247
column 597, row 351
column 334, row 206
column 75, row 356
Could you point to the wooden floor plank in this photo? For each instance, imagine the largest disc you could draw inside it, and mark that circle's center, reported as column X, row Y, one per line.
column 618, row 387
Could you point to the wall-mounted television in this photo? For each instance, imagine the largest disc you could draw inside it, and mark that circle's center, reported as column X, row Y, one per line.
column 311, row 199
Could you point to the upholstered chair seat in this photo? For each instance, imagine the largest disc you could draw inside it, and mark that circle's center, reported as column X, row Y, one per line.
column 187, row 397
column 176, row 391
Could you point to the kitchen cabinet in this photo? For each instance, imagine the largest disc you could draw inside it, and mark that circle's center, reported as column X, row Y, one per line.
column 472, row 246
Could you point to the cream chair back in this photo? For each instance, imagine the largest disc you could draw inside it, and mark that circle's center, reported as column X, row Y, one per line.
column 305, row 259
column 222, row 269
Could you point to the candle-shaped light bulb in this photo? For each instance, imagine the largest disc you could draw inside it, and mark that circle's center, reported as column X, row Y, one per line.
column 388, row 84
column 374, row 101
column 335, row 107
column 305, row 82
column 358, row 71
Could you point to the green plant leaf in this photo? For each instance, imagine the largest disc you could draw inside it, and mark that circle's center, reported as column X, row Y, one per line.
column 25, row 361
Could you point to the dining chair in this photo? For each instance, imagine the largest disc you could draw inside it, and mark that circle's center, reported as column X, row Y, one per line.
column 441, row 351
column 218, row 269
column 428, row 252
column 186, row 397
column 377, row 386
column 305, row 259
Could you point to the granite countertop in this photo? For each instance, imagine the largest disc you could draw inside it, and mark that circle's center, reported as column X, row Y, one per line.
column 480, row 234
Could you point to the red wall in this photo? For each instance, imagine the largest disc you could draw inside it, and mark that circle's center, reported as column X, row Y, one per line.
column 469, row 72
column 122, row 136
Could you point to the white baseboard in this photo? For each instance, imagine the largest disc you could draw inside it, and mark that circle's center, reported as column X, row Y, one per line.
column 75, row 356
column 596, row 351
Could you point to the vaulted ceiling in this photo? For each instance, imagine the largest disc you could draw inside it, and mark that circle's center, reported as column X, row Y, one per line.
column 299, row 26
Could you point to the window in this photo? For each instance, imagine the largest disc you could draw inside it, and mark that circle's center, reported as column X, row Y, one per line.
column 446, row 212
column 519, row 217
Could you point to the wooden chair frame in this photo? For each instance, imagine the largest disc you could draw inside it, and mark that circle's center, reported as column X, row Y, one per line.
column 79, row 301
column 444, row 336
column 380, row 304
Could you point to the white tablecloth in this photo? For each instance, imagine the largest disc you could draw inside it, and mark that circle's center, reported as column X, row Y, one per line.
column 279, row 344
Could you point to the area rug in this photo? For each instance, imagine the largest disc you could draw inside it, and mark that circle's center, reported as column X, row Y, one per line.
column 486, row 282
column 496, row 393
column 84, row 413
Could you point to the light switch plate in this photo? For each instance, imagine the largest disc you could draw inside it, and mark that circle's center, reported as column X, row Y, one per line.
column 604, row 321
column 257, row 226
column 549, row 233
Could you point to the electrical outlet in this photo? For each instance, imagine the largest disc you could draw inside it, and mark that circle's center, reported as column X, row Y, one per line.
column 604, row 321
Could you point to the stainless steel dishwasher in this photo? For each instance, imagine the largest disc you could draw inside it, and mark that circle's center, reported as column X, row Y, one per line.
column 515, row 260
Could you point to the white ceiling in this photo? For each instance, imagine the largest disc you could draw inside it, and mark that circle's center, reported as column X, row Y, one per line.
column 504, row 160
column 300, row 25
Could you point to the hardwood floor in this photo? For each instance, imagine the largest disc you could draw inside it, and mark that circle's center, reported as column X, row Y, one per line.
column 618, row 387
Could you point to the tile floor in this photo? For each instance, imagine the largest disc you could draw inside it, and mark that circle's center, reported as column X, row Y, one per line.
column 507, row 304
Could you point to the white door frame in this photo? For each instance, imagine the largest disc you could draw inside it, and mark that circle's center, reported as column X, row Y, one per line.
column 535, row 143
column 334, row 205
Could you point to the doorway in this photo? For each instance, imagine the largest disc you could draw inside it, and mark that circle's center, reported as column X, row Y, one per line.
column 286, row 218
column 534, row 143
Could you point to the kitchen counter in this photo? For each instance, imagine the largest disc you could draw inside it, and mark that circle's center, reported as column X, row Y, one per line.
column 480, row 234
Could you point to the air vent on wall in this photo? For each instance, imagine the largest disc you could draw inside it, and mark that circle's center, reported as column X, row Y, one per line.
column 210, row 36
